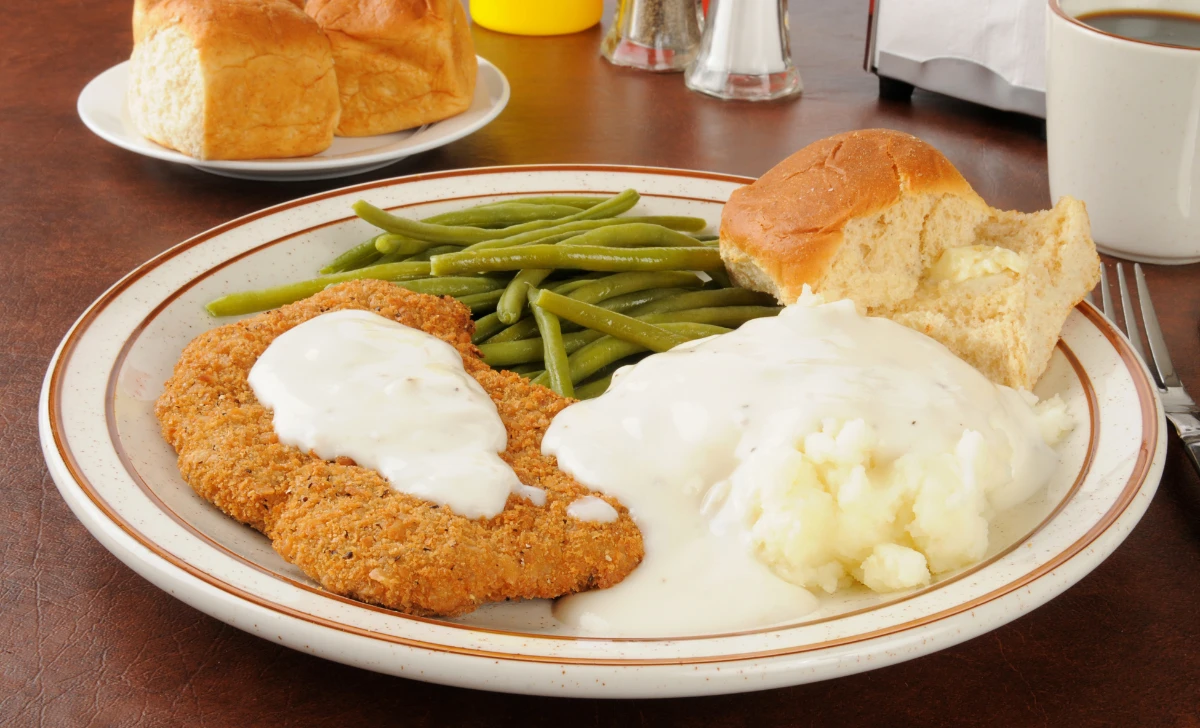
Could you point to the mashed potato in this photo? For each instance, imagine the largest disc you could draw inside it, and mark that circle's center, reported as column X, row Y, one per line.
column 831, row 510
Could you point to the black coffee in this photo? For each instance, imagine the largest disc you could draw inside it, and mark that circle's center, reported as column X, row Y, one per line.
column 1152, row 26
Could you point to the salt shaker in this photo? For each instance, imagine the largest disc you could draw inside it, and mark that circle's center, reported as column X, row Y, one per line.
column 653, row 35
column 745, row 52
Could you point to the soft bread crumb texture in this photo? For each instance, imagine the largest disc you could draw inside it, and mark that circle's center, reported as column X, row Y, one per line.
column 400, row 63
column 344, row 525
column 233, row 79
column 867, row 215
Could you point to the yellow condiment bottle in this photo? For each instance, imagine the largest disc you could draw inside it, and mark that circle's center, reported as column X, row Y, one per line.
column 537, row 17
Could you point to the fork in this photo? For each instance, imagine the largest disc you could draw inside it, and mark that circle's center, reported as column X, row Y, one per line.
column 1181, row 410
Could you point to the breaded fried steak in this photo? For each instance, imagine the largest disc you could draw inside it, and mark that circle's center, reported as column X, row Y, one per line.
column 344, row 525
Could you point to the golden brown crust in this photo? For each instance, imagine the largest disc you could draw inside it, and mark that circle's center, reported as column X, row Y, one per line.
column 344, row 525
column 269, row 86
column 400, row 63
column 141, row 7
column 790, row 221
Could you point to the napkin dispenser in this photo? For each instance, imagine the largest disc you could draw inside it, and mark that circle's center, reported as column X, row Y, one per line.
column 991, row 52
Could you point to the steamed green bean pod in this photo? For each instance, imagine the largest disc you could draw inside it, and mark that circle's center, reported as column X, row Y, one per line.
column 508, row 353
column 581, row 257
column 621, row 283
column 487, row 327
column 593, row 388
column 427, row 254
column 527, row 370
column 672, row 222
column 463, row 234
column 481, row 303
column 235, row 304
column 580, row 201
column 685, row 300
column 717, row 316
column 610, row 322
column 503, row 214
column 602, row 289
column 608, row 349
column 359, row 256
column 554, row 354
column 512, row 304
column 636, row 234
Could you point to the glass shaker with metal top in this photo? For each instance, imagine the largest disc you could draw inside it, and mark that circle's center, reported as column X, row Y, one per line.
column 654, row 35
column 745, row 53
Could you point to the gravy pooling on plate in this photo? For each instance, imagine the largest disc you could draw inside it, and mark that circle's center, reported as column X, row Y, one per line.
column 804, row 451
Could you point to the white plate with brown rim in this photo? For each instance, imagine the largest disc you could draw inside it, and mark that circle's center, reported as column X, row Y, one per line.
column 103, row 448
column 103, row 110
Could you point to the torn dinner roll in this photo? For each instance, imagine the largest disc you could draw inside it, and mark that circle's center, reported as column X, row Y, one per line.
column 884, row 219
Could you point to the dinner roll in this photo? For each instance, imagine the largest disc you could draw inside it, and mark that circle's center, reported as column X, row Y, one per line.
column 233, row 79
column 140, row 7
column 871, row 215
column 400, row 63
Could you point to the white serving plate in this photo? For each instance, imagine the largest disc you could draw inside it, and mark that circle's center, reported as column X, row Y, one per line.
column 103, row 448
column 103, row 109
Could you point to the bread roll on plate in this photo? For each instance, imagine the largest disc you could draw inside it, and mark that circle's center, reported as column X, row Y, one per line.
column 141, row 7
column 882, row 218
column 233, row 79
column 400, row 63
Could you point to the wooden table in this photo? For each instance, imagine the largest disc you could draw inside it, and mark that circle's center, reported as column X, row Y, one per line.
column 84, row 641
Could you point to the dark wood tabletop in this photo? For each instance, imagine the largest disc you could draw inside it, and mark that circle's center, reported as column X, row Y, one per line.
column 85, row 641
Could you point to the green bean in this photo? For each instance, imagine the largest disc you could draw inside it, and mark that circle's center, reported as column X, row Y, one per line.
column 708, row 238
column 571, row 200
column 512, row 303
column 636, row 234
column 507, row 353
column 390, row 243
column 631, row 302
column 426, row 255
column 466, row 234
column 481, row 303
column 527, row 370
column 567, row 287
column 720, row 276
column 502, row 214
column 667, row 221
column 554, row 354
column 601, row 289
column 622, row 283
column 704, row 299
column 609, row 322
column 526, row 328
column 594, row 388
column 604, row 351
column 234, row 304
column 487, row 327
column 357, row 257
column 582, row 257
column 452, row 285
column 719, row 316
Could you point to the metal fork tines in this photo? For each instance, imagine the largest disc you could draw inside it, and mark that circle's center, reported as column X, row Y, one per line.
column 1181, row 410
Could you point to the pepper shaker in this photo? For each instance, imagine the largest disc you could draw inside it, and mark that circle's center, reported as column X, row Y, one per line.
column 745, row 52
column 653, row 35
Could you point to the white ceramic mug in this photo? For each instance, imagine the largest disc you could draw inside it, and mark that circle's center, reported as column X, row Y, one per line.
column 1122, row 121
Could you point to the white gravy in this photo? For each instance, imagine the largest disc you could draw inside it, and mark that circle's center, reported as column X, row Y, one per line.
column 676, row 424
column 394, row 399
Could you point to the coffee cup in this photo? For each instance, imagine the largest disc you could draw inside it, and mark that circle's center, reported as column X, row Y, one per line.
column 1123, row 121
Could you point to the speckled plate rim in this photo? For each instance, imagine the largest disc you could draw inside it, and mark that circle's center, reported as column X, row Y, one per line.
column 101, row 106
column 376, row 639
